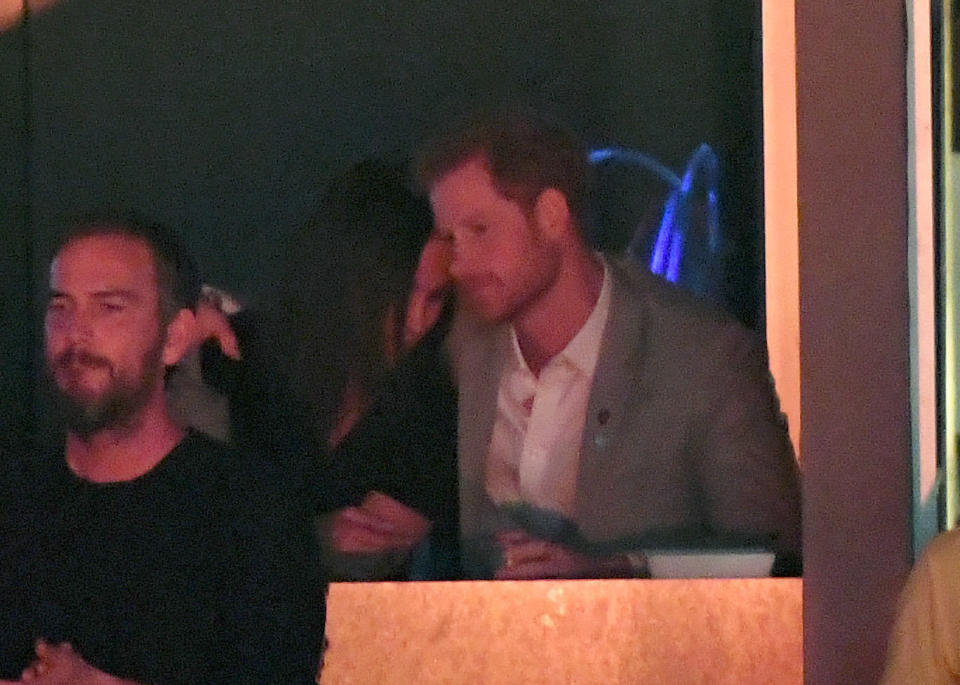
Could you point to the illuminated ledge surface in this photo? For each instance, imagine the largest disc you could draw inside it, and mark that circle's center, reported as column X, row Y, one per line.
column 587, row 631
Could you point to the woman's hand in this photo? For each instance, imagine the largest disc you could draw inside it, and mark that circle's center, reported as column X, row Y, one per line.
column 380, row 524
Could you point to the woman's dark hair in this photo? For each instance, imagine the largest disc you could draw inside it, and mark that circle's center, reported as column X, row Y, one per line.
column 353, row 263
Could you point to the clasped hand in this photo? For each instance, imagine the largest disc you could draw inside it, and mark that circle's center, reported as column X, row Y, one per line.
column 380, row 524
column 60, row 664
column 526, row 558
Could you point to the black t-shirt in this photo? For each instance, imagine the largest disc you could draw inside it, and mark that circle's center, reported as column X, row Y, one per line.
column 203, row 570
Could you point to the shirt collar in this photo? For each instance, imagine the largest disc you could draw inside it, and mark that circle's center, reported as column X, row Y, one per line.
column 583, row 350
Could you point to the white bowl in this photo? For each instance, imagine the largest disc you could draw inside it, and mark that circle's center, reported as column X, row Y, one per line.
column 714, row 563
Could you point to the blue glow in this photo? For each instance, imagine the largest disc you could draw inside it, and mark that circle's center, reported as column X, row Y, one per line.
column 702, row 170
column 634, row 158
column 704, row 162
column 658, row 257
column 676, row 254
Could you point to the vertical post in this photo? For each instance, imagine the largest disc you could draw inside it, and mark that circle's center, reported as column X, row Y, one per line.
column 780, row 206
column 854, row 330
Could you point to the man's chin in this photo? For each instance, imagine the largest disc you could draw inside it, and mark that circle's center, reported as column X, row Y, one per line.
column 86, row 414
column 83, row 417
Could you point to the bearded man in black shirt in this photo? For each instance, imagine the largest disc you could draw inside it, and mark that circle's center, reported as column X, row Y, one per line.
column 142, row 552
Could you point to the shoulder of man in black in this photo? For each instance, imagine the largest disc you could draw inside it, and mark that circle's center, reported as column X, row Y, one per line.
column 261, row 545
column 279, row 628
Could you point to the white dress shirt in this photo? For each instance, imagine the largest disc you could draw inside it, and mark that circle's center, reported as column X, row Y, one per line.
column 534, row 453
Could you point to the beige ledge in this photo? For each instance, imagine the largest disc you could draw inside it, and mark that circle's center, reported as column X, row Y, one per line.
column 584, row 632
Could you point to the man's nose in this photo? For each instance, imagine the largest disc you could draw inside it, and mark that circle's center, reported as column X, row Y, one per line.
column 414, row 326
column 458, row 266
column 79, row 325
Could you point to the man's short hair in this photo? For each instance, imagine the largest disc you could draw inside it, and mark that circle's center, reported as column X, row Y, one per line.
column 178, row 278
column 525, row 152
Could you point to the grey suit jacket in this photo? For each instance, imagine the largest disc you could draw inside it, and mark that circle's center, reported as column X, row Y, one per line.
column 684, row 442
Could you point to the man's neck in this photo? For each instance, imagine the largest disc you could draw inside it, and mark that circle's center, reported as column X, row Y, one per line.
column 559, row 313
column 126, row 452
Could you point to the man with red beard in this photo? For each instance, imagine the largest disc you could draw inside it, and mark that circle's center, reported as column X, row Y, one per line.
column 154, row 555
column 602, row 412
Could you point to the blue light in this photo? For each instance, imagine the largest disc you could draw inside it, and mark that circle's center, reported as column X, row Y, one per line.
column 659, row 256
column 666, row 258
column 634, row 158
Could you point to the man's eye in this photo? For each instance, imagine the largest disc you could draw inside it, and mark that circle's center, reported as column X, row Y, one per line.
column 111, row 306
column 478, row 229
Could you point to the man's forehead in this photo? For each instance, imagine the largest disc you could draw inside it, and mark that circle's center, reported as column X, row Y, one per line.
column 475, row 168
column 465, row 188
column 105, row 258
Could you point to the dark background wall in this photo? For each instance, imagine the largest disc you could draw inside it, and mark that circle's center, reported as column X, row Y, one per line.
column 225, row 118
column 16, row 242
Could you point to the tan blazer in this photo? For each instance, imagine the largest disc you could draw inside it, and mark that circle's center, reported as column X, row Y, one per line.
column 684, row 442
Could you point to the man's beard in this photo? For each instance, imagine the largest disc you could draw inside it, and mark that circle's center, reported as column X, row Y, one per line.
column 118, row 405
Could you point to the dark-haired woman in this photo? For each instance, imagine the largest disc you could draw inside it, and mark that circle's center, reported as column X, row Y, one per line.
column 344, row 379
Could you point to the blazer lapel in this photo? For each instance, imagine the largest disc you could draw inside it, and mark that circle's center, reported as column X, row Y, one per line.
column 479, row 383
column 617, row 385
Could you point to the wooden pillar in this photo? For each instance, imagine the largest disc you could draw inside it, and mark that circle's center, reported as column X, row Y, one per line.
column 854, row 330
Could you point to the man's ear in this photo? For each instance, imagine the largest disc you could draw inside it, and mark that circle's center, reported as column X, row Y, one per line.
column 552, row 213
column 181, row 334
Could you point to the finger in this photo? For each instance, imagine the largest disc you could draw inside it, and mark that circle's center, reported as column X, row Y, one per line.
column 408, row 527
column 376, row 538
column 364, row 542
column 405, row 520
column 364, row 519
column 34, row 670
column 532, row 570
column 358, row 539
column 512, row 536
column 228, row 343
column 556, row 562
column 529, row 551
column 212, row 324
column 52, row 650
column 385, row 506
column 542, row 560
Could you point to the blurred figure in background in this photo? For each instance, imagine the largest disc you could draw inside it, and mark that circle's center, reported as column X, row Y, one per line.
column 925, row 641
